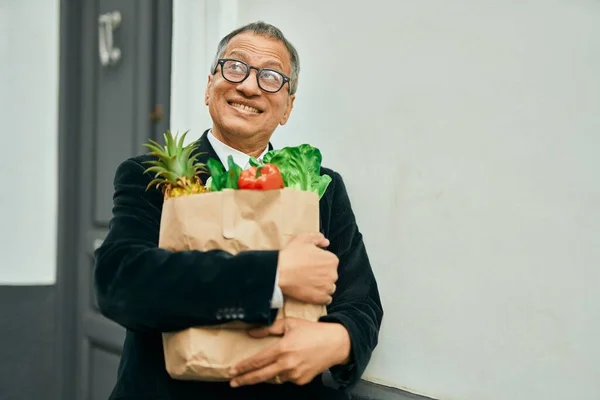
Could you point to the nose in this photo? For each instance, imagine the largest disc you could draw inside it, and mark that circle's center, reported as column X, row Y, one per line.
column 249, row 86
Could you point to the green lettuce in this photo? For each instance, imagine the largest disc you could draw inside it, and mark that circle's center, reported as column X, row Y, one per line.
column 221, row 179
column 300, row 167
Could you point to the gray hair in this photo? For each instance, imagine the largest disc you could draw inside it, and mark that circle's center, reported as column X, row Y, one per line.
column 270, row 31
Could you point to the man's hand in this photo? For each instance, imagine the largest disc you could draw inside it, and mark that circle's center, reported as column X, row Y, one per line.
column 306, row 272
column 306, row 350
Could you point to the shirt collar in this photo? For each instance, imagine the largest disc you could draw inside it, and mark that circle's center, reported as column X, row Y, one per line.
column 223, row 151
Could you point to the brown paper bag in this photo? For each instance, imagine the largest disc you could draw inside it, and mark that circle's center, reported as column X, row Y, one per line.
column 232, row 220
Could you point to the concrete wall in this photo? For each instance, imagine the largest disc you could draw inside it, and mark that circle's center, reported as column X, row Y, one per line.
column 467, row 133
column 29, row 38
column 29, row 107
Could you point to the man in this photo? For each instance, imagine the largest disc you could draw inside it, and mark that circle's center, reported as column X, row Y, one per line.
column 148, row 290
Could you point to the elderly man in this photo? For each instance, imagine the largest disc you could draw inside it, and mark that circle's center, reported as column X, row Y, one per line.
column 148, row 290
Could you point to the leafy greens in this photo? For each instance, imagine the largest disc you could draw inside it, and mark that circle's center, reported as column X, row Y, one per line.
column 221, row 179
column 300, row 167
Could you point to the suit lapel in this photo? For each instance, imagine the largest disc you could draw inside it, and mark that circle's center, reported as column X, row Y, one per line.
column 205, row 151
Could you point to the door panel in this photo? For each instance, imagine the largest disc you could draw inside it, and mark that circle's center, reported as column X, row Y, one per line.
column 124, row 101
column 102, row 367
column 116, row 102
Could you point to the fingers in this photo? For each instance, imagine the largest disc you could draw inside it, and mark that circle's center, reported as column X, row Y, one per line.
column 320, row 299
column 333, row 288
column 276, row 329
column 261, row 375
column 256, row 362
column 323, row 242
column 259, row 333
column 314, row 238
column 322, row 296
column 328, row 299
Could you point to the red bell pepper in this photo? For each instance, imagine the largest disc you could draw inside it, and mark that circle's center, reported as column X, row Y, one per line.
column 265, row 177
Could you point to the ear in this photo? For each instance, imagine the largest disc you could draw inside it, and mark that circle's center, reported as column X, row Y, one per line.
column 288, row 110
column 208, row 85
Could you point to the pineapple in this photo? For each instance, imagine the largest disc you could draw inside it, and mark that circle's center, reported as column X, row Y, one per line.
column 176, row 170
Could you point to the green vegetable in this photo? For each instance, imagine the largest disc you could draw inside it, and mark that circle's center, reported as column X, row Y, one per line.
column 233, row 174
column 216, row 171
column 221, row 179
column 300, row 167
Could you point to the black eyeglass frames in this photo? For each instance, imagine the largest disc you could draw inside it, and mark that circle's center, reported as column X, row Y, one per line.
column 236, row 71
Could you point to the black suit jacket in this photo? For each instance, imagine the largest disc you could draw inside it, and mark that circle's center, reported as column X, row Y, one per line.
column 149, row 290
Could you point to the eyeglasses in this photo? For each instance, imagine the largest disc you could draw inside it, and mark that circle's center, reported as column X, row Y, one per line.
column 235, row 71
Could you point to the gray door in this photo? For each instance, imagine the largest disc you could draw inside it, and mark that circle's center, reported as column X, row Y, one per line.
column 125, row 75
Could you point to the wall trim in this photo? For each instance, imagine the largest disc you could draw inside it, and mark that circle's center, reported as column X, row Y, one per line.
column 70, row 57
column 366, row 390
column 28, row 367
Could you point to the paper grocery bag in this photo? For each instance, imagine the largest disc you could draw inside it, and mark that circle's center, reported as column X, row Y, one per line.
column 234, row 221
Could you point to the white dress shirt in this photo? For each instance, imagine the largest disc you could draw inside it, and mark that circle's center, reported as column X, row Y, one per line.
column 243, row 160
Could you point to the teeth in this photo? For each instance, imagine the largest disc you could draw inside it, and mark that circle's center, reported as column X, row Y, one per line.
column 245, row 108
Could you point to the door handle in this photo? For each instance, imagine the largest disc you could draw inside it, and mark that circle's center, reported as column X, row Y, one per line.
column 107, row 23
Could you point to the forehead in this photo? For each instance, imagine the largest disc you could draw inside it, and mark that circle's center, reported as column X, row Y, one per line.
column 260, row 51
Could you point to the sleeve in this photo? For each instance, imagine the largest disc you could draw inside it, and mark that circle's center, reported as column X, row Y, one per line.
column 277, row 299
column 146, row 288
column 356, row 304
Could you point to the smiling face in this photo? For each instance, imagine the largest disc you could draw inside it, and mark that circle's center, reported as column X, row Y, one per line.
column 242, row 113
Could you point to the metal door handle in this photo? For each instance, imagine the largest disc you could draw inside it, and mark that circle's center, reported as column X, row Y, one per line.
column 107, row 23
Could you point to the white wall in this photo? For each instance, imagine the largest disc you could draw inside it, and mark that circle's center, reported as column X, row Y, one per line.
column 28, row 165
column 194, row 47
column 468, row 135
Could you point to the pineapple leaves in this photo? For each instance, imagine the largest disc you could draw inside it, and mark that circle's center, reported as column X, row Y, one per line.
column 176, row 166
column 171, row 143
column 181, row 140
column 156, row 149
